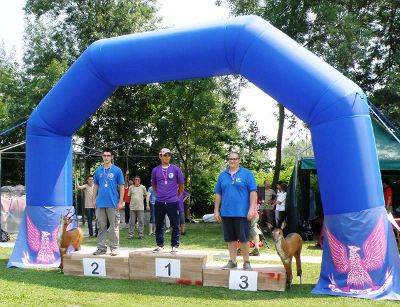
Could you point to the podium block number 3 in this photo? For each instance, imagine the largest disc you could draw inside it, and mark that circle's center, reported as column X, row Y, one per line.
column 168, row 268
column 94, row 267
column 243, row 280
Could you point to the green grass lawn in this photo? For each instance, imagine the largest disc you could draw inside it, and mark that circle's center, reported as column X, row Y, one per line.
column 201, row 236
column 50, row 287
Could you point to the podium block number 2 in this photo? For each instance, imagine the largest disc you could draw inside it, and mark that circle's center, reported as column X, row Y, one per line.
column 168, row 268
column 94, row 267
column 243, row 280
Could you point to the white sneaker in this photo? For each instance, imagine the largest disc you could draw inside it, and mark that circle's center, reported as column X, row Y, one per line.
column 174, row 250
column 158, row 249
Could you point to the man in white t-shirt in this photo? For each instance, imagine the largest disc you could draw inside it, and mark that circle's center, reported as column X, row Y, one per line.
column 137, row 192
column 280, row 204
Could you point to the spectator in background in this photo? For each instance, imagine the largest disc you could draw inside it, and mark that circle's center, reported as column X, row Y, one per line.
column 267, row 214
column 396, row 198
column 280, row 204
column 137, row 193
column 152, row 223
column 388, row 195
column 255, row 233
column 151, row 200
column 127, row 198
column 89, row 202
column 182, row 199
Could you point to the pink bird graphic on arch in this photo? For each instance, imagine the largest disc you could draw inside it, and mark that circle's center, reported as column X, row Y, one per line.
column 351, row 263
column 42, row 242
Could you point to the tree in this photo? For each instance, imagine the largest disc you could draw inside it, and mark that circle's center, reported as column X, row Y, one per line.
column 360, row 38
column 291, row 18
column 139, row 119
column 198, row 121
column 59, row 31
column 254, row 147
column 12, row 170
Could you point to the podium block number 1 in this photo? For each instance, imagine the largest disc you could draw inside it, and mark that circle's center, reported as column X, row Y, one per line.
column 168, row 268
column 94, row 267
column 243, row 280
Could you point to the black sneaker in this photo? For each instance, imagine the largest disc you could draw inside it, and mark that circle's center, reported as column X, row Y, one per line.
column 158, row 249
column 247, row 266
column 99, row 252
column 230, row 265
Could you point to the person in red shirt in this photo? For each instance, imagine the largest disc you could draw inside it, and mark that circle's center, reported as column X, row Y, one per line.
column 388, row 194
column 127, row 198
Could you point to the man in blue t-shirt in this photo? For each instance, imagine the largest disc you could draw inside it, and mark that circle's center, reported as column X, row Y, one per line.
column 109, row 198
column 235, row 205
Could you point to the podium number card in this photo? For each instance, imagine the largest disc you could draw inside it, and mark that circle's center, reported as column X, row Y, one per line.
column 94, row 267
column 243, row 280
column 168, row 268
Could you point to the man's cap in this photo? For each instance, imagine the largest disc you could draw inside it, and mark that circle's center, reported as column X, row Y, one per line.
column 165, row 151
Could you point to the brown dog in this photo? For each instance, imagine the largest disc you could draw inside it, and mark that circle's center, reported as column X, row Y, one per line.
column 287, row 248
column 70, row 240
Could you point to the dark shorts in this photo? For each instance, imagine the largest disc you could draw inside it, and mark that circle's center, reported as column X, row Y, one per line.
column 181, row 218
column 236, row 228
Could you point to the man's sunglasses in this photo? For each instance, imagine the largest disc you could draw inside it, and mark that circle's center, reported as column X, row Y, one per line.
column 233, row 159
column 166, row 155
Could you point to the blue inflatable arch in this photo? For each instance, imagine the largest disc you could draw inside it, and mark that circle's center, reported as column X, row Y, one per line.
column 333, row 107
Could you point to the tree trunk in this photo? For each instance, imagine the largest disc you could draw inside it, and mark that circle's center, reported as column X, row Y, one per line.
column 278, row 159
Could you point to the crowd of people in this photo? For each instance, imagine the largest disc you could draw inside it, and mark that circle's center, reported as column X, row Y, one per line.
column 236, row 205
column 107, row 192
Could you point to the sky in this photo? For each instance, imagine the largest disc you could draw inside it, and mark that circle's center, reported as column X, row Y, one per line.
column 176, row 13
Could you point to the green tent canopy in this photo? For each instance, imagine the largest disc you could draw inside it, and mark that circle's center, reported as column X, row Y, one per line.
column 387, row 145
column 304, row 203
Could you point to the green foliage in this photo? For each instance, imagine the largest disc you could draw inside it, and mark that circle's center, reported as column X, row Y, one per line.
column 262, row 176
column 9, row 86
column 11, row 112
column 254, row 147
column 197, row 119
column 358, row 37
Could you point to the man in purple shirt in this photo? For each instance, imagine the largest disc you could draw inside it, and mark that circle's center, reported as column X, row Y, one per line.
column 168, row 183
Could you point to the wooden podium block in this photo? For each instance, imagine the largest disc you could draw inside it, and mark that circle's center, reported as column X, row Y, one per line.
column 183, row 268
column 272, row 278
column 81, row 264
